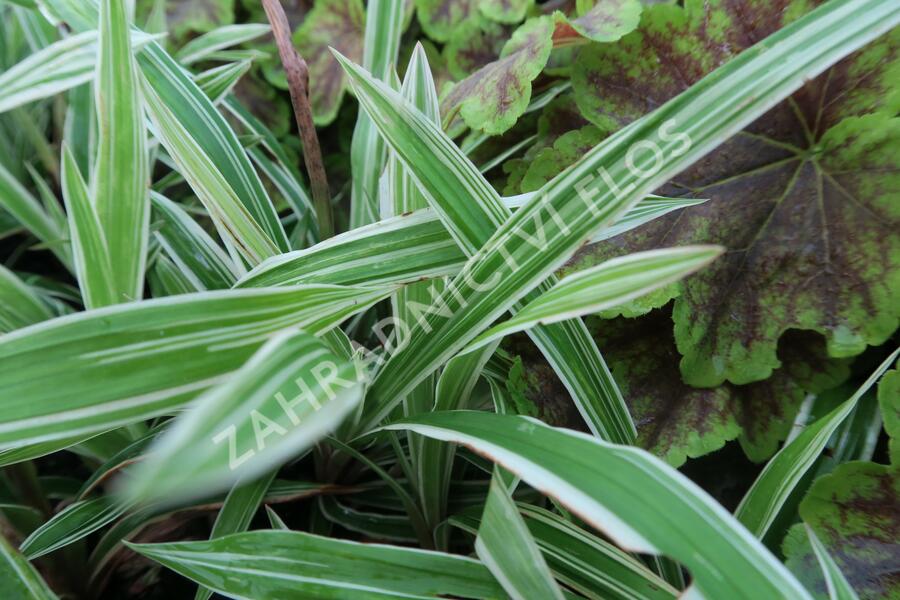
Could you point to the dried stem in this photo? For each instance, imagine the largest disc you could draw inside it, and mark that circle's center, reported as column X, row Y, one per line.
column 298, row 81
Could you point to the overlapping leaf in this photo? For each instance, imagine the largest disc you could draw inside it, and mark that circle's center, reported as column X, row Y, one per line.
column 495, row 96
column 287, row 397
column 331, row 23
column 584, row 202
column 677, row 421
column 289, row 564
column 819, row 167
column 90, row 372
column 635, row 499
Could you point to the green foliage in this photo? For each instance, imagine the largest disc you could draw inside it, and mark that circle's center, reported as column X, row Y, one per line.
column 337, row 24
column 449, row 391
column 819, row 167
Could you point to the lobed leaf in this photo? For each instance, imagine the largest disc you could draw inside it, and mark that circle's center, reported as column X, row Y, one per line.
column 331, row 23
column 819, row 166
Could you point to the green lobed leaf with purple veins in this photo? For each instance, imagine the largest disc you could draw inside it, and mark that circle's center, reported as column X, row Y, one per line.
column 677, row 421
column 441, row 18
column 853, row 512
column 476, row 43
column 805, row 198
column 492, row 98
column 339, row 24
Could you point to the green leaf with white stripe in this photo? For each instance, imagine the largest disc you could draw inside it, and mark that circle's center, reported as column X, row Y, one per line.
column 89, row 372
column 390, row 527
column 201, row 47
column 282, row 172
column 236, row 513
column 589, row 564
column 472, row 211
column 19, row 304
column 289, row 565
column 218, row 82
column 767, row 496
column 27, row 210
column 90, row 252
column 18, row 578
column 384, row 25
column 637, row 500
column 603, row 185
column 838, row 586
column 192, row 250
column 607, row 285
column 233, row 220
column 506, row 546
column 583, row 561
column 80, row 129
column 292, row 393
column 60, row 66
column 404, row 249
column 122, row 173
column 75, row 522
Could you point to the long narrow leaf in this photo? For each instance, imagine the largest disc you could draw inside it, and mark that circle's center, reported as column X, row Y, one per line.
column 602, row 185
column 19, row 305
column 288, row 565
column 506, row 546
column 90, row 251
column 61, row 66
column 26, row 209
column 781, row 475
column 384, row 26
column 236, row 513
column 292, row 393
column 589, row 564
column 88, row 372
column 196, row 254
column 608, row 284
column 203, row 46
column 18, row 578
column 403, row 249
column 838, row 587
column 75, row 522
column 634, row 498
column 233, row 220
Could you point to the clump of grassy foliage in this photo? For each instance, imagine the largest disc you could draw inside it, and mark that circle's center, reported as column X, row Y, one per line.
column 565, row 300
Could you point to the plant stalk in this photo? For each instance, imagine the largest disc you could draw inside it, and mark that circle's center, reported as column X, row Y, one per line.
column 298, row 83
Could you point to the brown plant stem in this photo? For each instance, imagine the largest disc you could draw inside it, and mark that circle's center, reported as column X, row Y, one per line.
column 298, row 83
